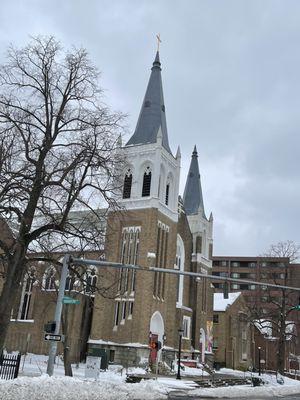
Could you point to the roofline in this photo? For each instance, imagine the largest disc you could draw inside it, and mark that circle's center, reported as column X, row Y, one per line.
column 249, row 258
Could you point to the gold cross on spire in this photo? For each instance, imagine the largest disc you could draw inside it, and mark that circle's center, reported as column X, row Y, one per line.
column 158, row 41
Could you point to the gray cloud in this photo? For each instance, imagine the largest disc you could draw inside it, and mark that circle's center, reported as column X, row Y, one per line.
column 231, row 83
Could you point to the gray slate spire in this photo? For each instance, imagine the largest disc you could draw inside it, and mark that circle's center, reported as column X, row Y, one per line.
column 192, row 197
column 152, row 115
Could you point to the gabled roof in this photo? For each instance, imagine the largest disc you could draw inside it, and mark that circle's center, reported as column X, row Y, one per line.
column 221, row 304
column 192, row 197
column 152, row 115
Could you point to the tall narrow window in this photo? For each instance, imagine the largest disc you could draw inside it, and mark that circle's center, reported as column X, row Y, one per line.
column 49, row 279
column 70, row 282
column 161, row 260
column 127, row 185
column 199, row 244
column 167, row 194
column 180, row 259
column 26, row 294
column 117, row 308
column 146, row 183
column 91, row 281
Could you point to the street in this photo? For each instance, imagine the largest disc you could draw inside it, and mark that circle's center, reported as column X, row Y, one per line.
column 181, row 396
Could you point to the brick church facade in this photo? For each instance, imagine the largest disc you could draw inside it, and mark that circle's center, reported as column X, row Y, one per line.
column 157, row 229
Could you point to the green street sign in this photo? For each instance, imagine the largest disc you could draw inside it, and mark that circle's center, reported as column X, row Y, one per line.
column 296, row 307
column 70, row 300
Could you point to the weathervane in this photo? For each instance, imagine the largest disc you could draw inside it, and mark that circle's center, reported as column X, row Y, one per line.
column 158, row 41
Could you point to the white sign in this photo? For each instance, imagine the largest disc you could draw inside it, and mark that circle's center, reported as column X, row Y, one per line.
column 53, row 338
column 92, row 367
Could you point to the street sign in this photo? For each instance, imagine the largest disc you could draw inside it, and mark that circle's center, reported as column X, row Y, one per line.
column 53, row 338
column 70, row 300
column 296, row 307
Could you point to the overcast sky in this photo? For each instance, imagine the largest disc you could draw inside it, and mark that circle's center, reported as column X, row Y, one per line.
column 231, row 76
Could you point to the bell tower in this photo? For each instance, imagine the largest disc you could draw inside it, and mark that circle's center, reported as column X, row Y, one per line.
column 151, row 175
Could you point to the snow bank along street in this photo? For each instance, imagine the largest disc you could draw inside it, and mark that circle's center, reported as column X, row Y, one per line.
column 111, row 385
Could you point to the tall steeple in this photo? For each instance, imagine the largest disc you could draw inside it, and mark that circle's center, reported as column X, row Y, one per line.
column 152, row 115
column 192, row 197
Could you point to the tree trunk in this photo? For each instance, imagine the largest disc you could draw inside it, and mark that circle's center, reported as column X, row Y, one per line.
column 15, row 270
column 281, row 354
column 67, row 362
column 66, row 344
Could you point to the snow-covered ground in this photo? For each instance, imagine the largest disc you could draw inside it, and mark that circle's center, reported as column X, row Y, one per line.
column 34, row 384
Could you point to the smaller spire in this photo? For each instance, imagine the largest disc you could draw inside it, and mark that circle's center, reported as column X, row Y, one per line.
column 178, row 153
column 192, row 197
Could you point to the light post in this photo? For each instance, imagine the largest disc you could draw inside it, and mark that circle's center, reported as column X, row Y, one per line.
column 259, row 370
column 180, row 333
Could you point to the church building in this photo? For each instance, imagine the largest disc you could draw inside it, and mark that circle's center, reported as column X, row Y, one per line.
column 156, row 228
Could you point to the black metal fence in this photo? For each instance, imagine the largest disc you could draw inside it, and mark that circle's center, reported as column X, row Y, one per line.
column 9, row 365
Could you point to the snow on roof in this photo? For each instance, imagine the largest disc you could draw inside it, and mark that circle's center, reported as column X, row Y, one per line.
column 221, row 304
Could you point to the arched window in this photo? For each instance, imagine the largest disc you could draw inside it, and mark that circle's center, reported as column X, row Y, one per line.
column 167, row 193
column 91, row 281
column 26, row 294
column 127, row 184
column 49, row 279
column 70, row 280
column 168, row 190
column 146, row 182
column 199, row 244
column 180, row 265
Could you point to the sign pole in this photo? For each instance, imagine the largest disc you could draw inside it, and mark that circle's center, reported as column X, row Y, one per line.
column 57, row 317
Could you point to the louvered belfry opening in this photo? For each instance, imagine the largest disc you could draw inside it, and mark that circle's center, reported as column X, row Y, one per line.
column 146, row 183
column 127, row 186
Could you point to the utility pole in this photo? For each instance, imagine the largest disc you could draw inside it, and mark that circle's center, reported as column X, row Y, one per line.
column 57, row 317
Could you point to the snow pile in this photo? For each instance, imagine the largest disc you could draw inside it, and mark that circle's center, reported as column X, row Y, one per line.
column 65, row 388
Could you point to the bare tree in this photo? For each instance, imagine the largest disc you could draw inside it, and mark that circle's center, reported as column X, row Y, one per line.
column 58, row 156
column 277, row 314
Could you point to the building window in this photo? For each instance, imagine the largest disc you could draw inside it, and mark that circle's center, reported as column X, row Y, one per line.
column 127, row 185
column 216, row 318
column 223, row 263
column 244, row 286
column 161, row 260
column 215, row 344
column 117, row 308
column 235, row 275
column 70, row 280
column 26, row 294
column 91, row 281
column 130, row 309
column 167, row 194
column 234, row 286
column 186, row 326
column 124, row 306
column 146, row 183
column 235, row 264
column 180, row 266
column 129, row 255
column 49, row 279
column 199, row 244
